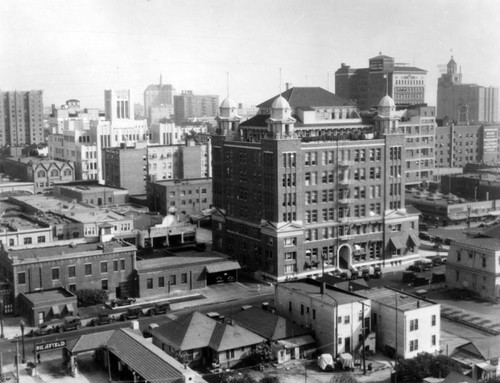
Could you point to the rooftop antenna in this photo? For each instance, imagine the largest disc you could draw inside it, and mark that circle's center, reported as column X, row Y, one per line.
column 227, row 83
column 328, row 81
column 280, row 81
column 118, row 76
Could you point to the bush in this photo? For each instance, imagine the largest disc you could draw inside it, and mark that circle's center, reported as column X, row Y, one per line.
column 425, row 365
column 90, row 297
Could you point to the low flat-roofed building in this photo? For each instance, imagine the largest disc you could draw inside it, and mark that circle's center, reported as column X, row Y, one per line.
column 73, row 264
column 43, row 305
column 474, row 264
column 20, row 229
column 168, row 273
column 92, row 193
column 404, row 322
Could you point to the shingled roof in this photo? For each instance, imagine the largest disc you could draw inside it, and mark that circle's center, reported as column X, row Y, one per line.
column 227, row 336
column 308, row 97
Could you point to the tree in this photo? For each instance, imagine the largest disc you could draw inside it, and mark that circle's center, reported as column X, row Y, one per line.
column 236, row 378
column 425, row 365
column 90, row 297
column 181, row 356
column 264, row 353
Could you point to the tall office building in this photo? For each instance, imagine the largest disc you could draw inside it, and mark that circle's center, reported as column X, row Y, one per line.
column 465, row 104
column 188, row 106
column 405, row 84
column 156, row 96
column 21, row 118
column 310, row 185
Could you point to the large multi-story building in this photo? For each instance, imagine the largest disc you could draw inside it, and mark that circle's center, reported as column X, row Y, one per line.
column 156, row 96
column 188, row 105
column 465, row 103
column 366, row 86
column 308, row 183
column 459, row 145
column 43, row 172
column 21, row 118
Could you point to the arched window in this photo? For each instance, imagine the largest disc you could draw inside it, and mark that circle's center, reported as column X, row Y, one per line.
column 54, row 173
column 40, row 174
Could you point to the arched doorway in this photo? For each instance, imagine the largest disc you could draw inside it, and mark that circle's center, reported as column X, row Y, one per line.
column 345, row 256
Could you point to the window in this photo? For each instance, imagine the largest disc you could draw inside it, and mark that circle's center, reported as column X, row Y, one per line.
column 41, row 239
column 104, row 267
column 347, row 319
column 484, row 261
column 173, row 280
column 229, row 354
column 433, row 320
column 161, row 281
column 115, row 265
column 413, row 324
column 122, row 264
column 55, row 273
column 292, row 241
column 27, row 241
column 340, row 340
column 104, row 284
column 414, row 345
column 290, row 306
column 72, row 288
column 302, row 309
column 339, row 320
column 72, row 271
column 88, row 269
column 433, row 340
column 184, row 278
column 149, row 283
column 314, row 313
column 21, row 278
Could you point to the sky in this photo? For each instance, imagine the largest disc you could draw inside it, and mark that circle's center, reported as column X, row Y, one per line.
column 77, row 49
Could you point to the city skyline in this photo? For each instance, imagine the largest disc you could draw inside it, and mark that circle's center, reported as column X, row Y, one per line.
column 77, row 49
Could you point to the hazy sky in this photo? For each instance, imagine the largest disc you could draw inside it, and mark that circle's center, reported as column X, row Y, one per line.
column 76, row 49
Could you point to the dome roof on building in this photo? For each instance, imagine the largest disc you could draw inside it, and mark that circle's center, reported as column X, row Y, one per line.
column 452, row 62
column 280, row 103
column 228, row 103
column 386, row 102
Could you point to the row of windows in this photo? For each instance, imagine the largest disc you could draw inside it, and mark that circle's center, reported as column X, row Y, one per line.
column 53, row 173
column 161, row 281
column 27, row 240
column 182, row 193
column 118, row 265
column 329, row 231
column 303, row 309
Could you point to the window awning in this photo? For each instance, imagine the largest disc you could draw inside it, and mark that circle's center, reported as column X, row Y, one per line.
column 69, row 308
column 397, row 243
column 413, row 239
column 223, row 266
column 55, row 310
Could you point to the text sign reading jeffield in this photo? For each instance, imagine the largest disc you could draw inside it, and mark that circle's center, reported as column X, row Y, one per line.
column 50, row 346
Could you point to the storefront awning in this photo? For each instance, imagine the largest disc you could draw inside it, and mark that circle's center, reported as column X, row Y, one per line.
column 223, row 266
column 69, row 308
column 397, row 243
column 55, row 310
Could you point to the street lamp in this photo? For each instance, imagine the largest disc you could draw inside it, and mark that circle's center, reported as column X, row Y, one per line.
column 23, row 360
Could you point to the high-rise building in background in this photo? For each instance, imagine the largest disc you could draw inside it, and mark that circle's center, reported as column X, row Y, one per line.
column 21, row 118
column 188, row 106
column 310, row 184
column 156, row 96
column 405, row 84
column 464, row 104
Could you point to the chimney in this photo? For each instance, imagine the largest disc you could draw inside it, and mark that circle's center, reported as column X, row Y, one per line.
column 288, row 85
column 134, row 325
column 418, row 304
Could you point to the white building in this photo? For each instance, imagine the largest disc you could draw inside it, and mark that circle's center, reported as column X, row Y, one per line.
column 404, row 322
column 338, row 319
column 474, row 264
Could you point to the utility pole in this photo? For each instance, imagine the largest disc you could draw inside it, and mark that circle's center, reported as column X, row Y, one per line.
column 364, row 336
column 17, row 361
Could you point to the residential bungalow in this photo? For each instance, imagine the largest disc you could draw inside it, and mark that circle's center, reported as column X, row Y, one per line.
column 480, row 355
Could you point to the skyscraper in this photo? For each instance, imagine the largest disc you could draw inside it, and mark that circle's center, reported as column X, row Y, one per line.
column 157, row 95
column 465, row 103
column 405, row 84
column 21, row 118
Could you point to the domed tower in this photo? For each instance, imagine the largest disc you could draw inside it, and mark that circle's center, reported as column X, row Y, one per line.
column 386, row 120
column 281, row 123
column 452, row 66
column 228, row 119
column 454, row 77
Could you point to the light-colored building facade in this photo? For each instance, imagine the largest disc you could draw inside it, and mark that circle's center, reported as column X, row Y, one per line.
column 188, row 105
column 337, row 319
column 405, row 323
column 21, row 118
column 474, row 264
column 465, row 104
column 158, row 97
column 366, row 86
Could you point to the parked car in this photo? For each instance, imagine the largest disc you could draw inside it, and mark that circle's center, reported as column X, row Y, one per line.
column 420, row 281
column 448, row 241
column 414, row 268
column 132, row 313
column 216, row 316
column 408, row 276
column 70, row 323
column 377, row 272
column 102, row 319
column 424, row 264
column 43, row 329
column 124, row 301
column 425, row 236
column 147, row 332
column 423, row 226
column 159, row 308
